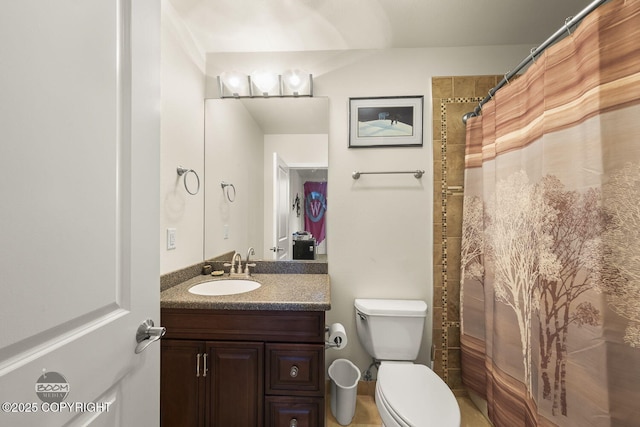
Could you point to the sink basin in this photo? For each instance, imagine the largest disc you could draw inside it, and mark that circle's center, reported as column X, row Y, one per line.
column 224, row 287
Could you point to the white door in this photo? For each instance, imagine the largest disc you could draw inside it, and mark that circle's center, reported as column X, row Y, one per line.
column 79, row 267
column 281, row 238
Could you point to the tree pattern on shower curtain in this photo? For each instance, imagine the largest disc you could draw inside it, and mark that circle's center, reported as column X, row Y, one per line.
column 550, row 254
column 575, row 228
column 620, row 269
column 543, row 275
column 571, row 245
column 519, row 244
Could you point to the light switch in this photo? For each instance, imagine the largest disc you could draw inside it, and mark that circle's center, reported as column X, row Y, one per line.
column 171, row 238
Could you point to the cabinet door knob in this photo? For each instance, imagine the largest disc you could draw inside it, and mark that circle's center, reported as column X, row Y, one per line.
column 293, row 373
column 204, row 366
column 198, row 365
column 293, row 422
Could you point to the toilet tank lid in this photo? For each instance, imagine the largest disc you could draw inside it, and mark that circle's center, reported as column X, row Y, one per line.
column 391, row 307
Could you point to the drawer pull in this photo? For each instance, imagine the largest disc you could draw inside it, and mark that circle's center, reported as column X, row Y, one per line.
column 293, row 422
column 198, row 365
column 293, row 373
column 204, row 365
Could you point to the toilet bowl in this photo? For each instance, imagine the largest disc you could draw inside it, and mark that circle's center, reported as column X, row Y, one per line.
column 407, row 394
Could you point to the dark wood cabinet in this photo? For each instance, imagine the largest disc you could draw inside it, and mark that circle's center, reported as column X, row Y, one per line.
column 242, row 368
column 236, row 383
column 211, row 383
column 182, row 385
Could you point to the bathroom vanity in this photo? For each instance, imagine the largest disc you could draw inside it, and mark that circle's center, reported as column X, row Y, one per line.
column 251, row 359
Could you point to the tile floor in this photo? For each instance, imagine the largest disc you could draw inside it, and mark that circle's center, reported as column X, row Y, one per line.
column 367, row 415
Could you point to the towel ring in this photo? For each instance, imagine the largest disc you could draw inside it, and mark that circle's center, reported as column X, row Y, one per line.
column 225, row 188
column 185, row 172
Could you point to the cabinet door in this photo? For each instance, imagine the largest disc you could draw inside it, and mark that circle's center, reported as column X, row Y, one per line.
column 236, row 384
column 182, row 385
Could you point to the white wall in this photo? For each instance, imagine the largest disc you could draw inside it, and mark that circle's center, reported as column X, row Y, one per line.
column 233, row 153
column 182, row 128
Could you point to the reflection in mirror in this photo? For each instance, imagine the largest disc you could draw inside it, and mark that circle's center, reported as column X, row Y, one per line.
column 279, row 207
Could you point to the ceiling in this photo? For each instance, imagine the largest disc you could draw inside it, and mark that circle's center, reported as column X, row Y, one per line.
column 311, row 25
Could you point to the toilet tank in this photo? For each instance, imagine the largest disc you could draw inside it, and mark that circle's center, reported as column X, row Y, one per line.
column 390, row 329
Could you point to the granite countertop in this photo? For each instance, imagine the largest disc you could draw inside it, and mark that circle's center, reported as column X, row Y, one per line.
column 288, row 292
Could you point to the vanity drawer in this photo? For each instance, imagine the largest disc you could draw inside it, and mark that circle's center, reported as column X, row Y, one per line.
column 294, row 412
column 295, row 369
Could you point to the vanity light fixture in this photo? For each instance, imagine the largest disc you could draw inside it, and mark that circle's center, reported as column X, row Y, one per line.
column 237, row 83
column 265, row 82
column 290, row 84
column 296, row 81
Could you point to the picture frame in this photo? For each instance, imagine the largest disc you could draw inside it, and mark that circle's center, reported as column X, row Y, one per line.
column 390, row 121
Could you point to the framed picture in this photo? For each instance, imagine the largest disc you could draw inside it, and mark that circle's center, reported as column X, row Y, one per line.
column 385, row 121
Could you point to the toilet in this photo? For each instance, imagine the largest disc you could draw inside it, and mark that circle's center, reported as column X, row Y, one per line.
column 407, row 394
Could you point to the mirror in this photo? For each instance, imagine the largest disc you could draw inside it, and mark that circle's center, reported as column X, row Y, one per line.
column 243, row 179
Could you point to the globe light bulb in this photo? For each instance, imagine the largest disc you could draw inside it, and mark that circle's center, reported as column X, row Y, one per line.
column 295, row 80
column 265, row 81
column 235, row 81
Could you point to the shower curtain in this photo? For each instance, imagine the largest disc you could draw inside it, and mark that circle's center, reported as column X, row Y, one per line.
column 550, row 292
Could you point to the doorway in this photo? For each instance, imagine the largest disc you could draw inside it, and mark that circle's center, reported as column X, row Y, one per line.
column 304, row 205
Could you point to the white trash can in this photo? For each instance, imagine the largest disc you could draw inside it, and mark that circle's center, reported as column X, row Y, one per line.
column 344, row 389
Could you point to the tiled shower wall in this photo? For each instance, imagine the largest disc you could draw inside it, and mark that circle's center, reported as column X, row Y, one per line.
column 452, row 98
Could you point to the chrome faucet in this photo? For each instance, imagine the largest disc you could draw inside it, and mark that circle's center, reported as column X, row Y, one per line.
column 235, row 270
column 250, row 252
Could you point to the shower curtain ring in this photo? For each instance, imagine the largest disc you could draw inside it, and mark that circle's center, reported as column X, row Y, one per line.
column 506, row 79
column 566, row 24
column 533, row 53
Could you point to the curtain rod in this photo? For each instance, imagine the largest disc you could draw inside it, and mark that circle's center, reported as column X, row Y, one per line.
column 569, row 22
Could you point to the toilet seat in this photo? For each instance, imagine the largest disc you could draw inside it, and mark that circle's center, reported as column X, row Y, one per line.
column 388, row 417
column 414, row 396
